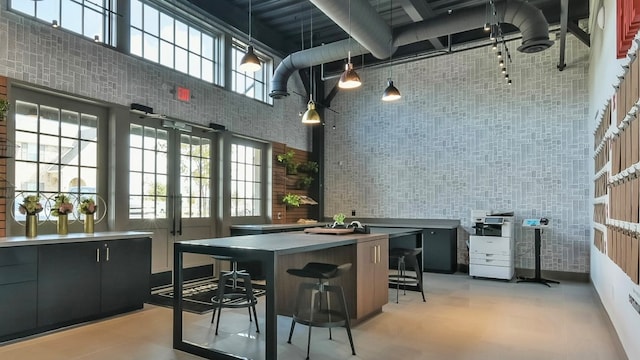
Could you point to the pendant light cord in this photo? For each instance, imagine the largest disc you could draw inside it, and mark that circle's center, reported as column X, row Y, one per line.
column 249, row 22
column 349, row 52
column 391, row 40
column 311, row 82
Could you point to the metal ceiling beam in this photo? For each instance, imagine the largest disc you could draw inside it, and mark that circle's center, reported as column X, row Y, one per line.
column 420, row 10
column 573, row 28
column 564, row 17
column 239, row 20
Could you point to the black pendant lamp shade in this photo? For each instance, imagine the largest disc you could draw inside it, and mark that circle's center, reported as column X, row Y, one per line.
column 250, row 61
column 391, row 93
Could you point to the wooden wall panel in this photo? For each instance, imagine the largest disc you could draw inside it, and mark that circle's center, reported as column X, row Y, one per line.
column 284, row 183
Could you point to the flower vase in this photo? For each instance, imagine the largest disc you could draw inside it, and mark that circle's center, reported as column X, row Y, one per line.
column 88, row 223
column 31, row 226
column 63, row 224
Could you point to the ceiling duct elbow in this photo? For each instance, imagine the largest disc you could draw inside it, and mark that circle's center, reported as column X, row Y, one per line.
column 531, row 23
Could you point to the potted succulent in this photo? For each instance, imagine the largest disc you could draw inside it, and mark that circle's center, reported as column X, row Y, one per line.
column 338, row 220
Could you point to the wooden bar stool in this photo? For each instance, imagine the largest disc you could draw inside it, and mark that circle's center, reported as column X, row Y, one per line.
column 234, row 297
column 317, row 314
column 406, row 256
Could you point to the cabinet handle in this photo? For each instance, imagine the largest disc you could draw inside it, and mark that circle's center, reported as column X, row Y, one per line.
column 373, row 260
column 97, row 255
column 107, row 254
column 379, row 253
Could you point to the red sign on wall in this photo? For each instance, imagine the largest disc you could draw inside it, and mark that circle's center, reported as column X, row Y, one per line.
column 627, row 24
column 183, row 94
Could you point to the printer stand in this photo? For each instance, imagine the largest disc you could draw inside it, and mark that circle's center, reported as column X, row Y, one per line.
column 537, row 278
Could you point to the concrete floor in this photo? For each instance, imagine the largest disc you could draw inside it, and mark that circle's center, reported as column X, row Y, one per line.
column 463, row 318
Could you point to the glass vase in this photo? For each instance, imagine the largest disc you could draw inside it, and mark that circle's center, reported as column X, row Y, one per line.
column 88, row 223
column 31, row 226
column 63, row 224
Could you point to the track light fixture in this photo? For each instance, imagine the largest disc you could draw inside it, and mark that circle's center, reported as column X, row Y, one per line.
column 250, row 61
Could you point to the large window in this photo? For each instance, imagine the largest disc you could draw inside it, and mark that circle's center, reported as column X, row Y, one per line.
column 253, row 85
column 56, row 152
column 246, row 180
column 90, row 18
column 161, row 38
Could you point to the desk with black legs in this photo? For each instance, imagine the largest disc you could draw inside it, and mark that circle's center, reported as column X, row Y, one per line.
column 275, row 252
column 537, row 278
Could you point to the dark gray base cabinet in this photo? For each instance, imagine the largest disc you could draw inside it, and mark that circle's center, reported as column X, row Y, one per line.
column 83, row 281
column 440, row 250
column 18, row 289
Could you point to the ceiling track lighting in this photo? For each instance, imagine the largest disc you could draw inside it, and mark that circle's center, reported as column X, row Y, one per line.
column 349, row 78
column 497, row 37
column 391, row 93
column 250, row 61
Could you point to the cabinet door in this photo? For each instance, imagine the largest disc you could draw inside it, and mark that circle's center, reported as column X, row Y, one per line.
column 440, row 250
column 365, row 278
column 381, row 276
column 68, row 282
column 18, row 289
column 126, row 272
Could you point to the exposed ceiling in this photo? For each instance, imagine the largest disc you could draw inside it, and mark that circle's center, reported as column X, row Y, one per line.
column 282, row 24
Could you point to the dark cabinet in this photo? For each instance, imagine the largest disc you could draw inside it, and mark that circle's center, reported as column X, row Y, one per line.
column 125, row 276
column 68, row 282
column 18, row 289
column 80, row 281
column 440, row 250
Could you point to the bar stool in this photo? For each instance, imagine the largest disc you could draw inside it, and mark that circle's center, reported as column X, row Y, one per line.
column 406, row 256
column 236, row 297
column 316, row 315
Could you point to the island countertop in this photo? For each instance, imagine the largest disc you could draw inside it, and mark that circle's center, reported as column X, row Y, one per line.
column 284, row 243
column 71, row 238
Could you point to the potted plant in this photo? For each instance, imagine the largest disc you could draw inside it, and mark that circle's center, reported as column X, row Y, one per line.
column 287, row 160
column 4, row 108
column 338, row 220
column 304, row 182
column 309, row 167
column 61, row 209
column 291, row 200
column 88, row 208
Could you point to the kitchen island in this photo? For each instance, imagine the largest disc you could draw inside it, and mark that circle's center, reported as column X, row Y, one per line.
column 365, row 285
column 52, row 281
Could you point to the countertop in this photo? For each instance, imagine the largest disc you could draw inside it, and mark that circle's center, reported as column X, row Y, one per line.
column 71, row 238
column 384, row 223
column 284, row 243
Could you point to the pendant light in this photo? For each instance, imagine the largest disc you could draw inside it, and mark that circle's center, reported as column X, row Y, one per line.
column 391, row 93
column 349, row 78
column 250, row 62
column 311, row 116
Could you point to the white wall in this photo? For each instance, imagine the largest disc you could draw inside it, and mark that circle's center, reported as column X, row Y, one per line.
column 613, row 286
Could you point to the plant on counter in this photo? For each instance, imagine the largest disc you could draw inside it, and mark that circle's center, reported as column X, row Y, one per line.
column 287, row 160
column 291, row 200
column 339, row 218
column 88, row 206
column 4, row 108
column 309, row 167
column 305, row 182
column 62, row 205
column 30, row 205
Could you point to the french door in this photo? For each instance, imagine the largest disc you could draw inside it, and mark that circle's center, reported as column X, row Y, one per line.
column 171, row 190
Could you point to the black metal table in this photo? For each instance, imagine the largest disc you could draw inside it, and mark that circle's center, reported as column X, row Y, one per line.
column 265, row 248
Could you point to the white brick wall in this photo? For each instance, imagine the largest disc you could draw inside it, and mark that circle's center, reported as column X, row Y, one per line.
column 460, row 139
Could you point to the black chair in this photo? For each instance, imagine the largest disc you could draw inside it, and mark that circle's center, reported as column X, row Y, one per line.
column 317, row 314
column 406, row 257
column 234, row 296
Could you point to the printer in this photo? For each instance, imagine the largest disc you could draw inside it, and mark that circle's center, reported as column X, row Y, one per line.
column 487, row 223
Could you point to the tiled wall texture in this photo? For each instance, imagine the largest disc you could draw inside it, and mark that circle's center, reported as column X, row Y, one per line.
column 460, row 139
column 35, row 53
